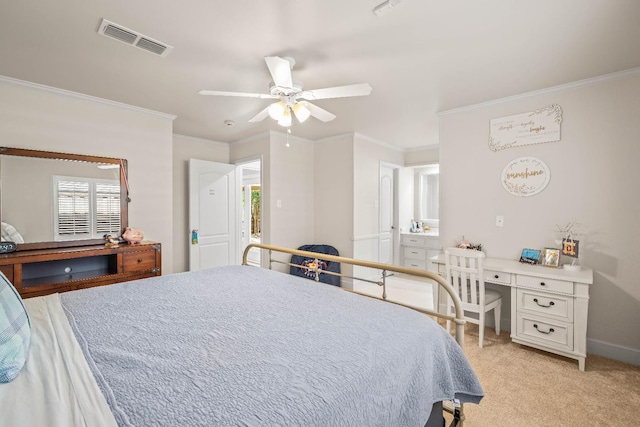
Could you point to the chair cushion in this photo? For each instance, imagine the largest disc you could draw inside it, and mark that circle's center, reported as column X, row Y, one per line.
column 15, row 331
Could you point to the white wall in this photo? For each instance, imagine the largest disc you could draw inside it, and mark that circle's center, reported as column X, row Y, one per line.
column 333, row 193
column 594, row 179
column 422, row 156
column 291, row 199
column 185, row 148
column 41, row 118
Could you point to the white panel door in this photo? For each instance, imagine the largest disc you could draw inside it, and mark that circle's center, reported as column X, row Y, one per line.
column 212, row 214
column 386, row 215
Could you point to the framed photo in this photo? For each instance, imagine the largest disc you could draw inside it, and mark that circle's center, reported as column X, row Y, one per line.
column 570, row 247
column 530, row 256
column 551, row 257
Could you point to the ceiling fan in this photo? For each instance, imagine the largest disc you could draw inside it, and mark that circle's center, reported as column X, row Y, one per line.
column 292, row 98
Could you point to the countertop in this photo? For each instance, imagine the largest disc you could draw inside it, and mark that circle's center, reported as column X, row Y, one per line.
column 430, row 233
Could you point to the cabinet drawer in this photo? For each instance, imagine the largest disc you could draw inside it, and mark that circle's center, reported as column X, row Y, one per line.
column 541, row 331
column 431, row 242
column 138, row 261
column 558, row 306
column 413, row 263
column 414, row 253
column 413, row 240
column 499, row 277
column 550, row 285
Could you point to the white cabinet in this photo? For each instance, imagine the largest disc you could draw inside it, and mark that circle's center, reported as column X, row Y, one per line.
column 418, row 248
column 551, row 314
column 549, row 306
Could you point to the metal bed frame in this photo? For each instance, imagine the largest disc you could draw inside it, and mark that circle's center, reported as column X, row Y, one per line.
column 455, row 408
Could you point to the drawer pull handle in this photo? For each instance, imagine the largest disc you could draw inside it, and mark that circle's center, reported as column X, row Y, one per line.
column 495, row 276
column 139, row 260
column 543, row 284
column 551, row 330
column 551, row 303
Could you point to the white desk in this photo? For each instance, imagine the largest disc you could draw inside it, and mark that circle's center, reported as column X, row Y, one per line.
column 549, row 306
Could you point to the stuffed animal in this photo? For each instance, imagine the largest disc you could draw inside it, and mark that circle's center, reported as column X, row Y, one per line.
column 133, row 235
column 110, row 240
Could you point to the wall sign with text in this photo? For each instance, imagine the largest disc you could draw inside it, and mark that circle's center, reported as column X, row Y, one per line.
column 535, row 127
column 525, row 176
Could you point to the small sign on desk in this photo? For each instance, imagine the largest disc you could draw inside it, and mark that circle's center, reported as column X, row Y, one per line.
column 530, row 256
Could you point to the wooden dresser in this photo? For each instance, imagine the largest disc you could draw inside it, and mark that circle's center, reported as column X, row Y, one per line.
column 47, row 271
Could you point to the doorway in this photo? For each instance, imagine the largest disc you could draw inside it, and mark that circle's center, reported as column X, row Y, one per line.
column 250, row 208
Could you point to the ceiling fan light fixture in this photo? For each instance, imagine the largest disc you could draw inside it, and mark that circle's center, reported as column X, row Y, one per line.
column 277, row 110
column 286, row 118
column 301, row 111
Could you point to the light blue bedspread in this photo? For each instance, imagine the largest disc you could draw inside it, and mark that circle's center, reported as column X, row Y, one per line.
column 245, row 346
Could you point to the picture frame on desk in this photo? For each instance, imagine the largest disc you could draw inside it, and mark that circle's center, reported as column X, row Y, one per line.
column 551, row 257
column 530, row 256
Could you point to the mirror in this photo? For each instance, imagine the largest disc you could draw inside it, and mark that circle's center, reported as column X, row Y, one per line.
column 50, row 200
column 428, row 194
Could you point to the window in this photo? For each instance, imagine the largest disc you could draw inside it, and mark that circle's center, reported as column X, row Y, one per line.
column 85, row 208
column 429, row 195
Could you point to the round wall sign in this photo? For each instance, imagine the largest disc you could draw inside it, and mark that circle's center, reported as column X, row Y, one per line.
column 525, row 176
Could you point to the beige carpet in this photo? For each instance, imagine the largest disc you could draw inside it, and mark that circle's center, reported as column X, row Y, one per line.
column 526, row 387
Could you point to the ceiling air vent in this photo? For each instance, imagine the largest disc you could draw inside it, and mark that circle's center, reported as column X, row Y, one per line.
column 133, row 38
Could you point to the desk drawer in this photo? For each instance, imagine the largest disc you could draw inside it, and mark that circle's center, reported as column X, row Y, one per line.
column 498, row 277
column 542, row 331
column 414, row 253
column 550, row 285
column 558, row 306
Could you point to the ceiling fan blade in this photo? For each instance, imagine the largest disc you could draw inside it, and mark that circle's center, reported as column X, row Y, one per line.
column 319, row 113
column 360, row 89
column 260, row 116
column 243, row 94
column 280, row 70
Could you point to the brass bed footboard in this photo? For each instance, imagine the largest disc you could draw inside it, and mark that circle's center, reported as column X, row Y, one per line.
column 456, row 409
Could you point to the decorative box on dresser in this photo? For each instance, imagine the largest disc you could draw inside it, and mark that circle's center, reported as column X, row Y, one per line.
column 549, row 306
column 46, row 271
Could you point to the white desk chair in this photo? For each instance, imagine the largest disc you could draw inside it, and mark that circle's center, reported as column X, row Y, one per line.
column 464, row 272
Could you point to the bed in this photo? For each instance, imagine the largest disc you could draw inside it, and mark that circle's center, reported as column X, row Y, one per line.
column 236, row 346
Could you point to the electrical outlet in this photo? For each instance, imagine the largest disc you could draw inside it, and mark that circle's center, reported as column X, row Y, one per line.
column 499, row 221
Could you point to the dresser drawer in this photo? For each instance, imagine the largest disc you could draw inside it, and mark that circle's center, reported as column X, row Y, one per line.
column 542, row 331
column 414, row 253
column 558, row 306
column 414, row 263
column 138, row 261
column 550, row 285
column 498, row 277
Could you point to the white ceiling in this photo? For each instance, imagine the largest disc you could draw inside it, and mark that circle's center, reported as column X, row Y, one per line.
column 423, row 57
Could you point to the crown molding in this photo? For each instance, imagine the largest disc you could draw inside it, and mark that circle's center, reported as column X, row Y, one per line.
column 380, row 143
column 64, row 92
column 423, row 148
column 633, row 72
column 266, row 135
column 202, row 140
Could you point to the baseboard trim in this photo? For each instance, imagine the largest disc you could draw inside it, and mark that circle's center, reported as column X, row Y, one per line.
column 613, row 351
